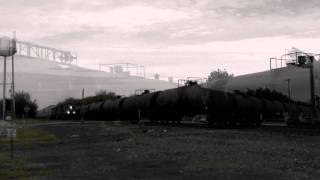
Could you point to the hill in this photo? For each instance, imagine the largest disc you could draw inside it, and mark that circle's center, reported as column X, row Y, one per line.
column 50, row 82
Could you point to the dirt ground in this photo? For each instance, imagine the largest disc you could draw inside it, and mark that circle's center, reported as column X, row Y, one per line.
column 122, row 151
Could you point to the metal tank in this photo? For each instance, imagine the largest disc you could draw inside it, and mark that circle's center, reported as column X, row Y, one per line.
column 247, row 105
column 169, row 105
column 195, row 100
column 247, row 110
column 271, row 108
column 111, row 110
column 145, row 106
column 220, row 101
column 95, row 111
column 130, row 107
column 137, row 107
column 220, row 107
column 278, row 106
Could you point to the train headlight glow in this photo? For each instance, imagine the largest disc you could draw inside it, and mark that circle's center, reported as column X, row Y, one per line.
column 68, row 112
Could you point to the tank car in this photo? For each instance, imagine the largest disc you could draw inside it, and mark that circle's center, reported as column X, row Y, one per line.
column 194, row 100
column 95, row 111
column 138, row 107
column 248, row 110
column 130, row 109
column 147, row 105
column 219, row 108
column 169, row 105
column 273, row 110
column 111, row 109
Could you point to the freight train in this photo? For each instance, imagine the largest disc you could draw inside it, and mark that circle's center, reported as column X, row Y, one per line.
column 173, row 105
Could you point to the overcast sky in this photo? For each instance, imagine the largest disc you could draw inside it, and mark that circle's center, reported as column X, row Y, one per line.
column 172, row 37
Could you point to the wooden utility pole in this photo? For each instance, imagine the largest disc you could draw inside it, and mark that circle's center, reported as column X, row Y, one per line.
column 82, row 118
column 312, row 90
column 312, row 93
column 289, row 90
column 4, row 89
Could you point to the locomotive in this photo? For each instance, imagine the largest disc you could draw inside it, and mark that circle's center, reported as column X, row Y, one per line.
column 172, row 105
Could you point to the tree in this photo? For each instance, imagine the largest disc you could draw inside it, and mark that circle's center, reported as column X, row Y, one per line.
column 105, row 95
column 264, row 93
column 219, row 74
column 23, row 102
column 101, row 95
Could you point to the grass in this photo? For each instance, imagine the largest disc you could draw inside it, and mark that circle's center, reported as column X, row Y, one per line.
column 29, row 135
column 29, row 121
column 20, row 168
column 12, row 169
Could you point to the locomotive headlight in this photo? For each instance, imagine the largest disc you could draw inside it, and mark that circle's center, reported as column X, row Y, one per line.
column 74, row 112
column 70, row 107
column 68, row 112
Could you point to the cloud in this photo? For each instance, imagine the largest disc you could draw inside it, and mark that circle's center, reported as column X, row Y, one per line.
column 144, row 26
column 160, row 23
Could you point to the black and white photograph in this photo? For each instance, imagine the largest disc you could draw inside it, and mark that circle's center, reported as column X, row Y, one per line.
column 160, row 89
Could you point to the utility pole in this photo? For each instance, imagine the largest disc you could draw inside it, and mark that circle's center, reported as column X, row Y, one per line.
column 4, row 89
column 13, row 92
column 82, row 93
column 289, row 90
column 13, row 110
column 82, row 118
column 312, row 91
column 313, row 102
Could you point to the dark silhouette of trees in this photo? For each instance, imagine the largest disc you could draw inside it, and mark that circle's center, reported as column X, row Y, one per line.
column 25, row 107
column 104, row 95
column 219, row 74
column 266, row 94
column 101, row 95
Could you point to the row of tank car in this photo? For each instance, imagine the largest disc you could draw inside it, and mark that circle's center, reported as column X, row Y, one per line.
column 174, row 105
